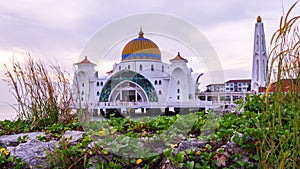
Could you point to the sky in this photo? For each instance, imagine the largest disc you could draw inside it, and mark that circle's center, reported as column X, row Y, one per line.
column 57, row 31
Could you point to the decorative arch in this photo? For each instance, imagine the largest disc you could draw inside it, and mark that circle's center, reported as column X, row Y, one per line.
column 128, row 86
column 131, row 76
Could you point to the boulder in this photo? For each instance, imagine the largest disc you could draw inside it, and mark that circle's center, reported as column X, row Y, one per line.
column 12, row 140
column 76, row 135
column 192, row 144
column 33, row 153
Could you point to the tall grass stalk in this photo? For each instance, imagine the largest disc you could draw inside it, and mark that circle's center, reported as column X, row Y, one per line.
column 280, row 145
column 43, row 93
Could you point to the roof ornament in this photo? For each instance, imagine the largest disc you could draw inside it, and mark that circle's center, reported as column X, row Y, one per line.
column 258, row 19
column 141, row 33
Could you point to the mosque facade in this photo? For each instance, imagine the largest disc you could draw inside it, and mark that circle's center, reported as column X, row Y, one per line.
column 140, row 80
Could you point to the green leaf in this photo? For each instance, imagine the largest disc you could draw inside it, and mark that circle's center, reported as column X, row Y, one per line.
column 180, row 157
column 105, row 152
column 188, row 151
column 111, row 164
column 208, row 146
column 168, row 153
column 190, row 164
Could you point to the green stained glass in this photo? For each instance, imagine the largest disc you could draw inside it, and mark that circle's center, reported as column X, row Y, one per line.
column 127, row 75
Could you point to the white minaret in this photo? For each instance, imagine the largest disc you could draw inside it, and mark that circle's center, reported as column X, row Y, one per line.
column 84, row 83
column 260, row 61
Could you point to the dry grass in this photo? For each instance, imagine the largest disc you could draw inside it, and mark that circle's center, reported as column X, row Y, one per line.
column 280, row 143
column 43, row 93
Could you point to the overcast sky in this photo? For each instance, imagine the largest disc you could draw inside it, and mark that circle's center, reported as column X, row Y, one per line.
column 57, row 31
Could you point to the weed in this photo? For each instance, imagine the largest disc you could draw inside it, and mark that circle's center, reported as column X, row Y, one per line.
column 43, row 94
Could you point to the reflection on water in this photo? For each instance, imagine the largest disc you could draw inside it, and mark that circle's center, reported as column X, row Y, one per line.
column 7, row 113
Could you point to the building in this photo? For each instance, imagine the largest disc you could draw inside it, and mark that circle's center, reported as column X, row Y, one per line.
column 260, row 60
column 215, row 88
column 242, row 85
column 140, row 80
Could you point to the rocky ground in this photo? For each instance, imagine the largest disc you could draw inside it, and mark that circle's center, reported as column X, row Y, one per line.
column 34, row 152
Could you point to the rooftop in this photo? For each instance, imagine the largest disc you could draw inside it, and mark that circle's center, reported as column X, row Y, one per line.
column 84, row 61
column 239, row 81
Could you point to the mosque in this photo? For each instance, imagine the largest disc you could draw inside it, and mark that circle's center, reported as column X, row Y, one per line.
column 142, row 82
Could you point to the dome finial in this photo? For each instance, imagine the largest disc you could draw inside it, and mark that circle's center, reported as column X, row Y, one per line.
column 141, row 33
column 258, row 19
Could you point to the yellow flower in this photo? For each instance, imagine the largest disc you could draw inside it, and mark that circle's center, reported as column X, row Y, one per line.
column 203, row 149
column 138, row 161
column 3, row 150
column 174, row 145
column 6, row 152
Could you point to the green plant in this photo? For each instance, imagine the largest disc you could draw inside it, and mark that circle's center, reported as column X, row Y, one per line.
column 70, row 156
column 23, row 139
column 43, row 138
column 7, row 161
column 279, row 143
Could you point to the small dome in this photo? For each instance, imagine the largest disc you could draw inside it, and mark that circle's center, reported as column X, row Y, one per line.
column 141, row 49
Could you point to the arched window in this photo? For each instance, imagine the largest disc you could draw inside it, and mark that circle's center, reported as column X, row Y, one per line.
column 141, row 67
column 159, row 82
column 264, row 71
column 101, row 83
column 162, row 68
column 82, row 93
column 98, row 84
column 178, row 82
column 178, row 97
column 98, row 93
column 152, row 68
column 178, row 90
column 119, row 67
column 155, row 82
column 128, row 66
column 82, row 85
column 159, row 92
column 257, row 70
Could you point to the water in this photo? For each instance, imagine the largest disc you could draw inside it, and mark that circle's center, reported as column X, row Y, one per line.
column 7, row 113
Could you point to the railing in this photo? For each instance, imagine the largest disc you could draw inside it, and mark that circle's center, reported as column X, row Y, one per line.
column 122, row 104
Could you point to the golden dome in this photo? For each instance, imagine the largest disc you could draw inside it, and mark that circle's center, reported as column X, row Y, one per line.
column 141, row 49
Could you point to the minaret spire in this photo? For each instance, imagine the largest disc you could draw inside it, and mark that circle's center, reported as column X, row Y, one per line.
column 141, row 33
column 260, row 61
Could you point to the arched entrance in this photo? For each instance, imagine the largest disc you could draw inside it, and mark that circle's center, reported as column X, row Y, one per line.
column 131, row 82
column 128, row 91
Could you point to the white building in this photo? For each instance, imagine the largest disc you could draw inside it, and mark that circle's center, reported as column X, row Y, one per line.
column 260, row 60
column 241, row 85
column 140, row 80
column 215, row 88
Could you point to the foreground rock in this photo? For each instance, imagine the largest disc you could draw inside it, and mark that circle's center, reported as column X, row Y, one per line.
column 33, row 152
column 73, row 136
column 13, row 140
